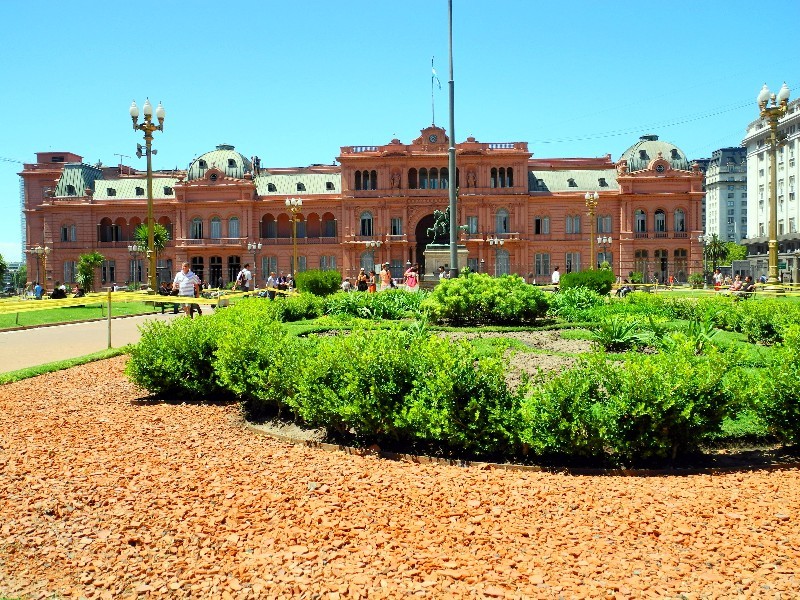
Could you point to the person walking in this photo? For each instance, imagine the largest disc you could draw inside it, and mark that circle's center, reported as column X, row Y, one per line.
column 244, row 278
column 386, row 277
column 412, row 278
column 555, row 278
column 185, row 282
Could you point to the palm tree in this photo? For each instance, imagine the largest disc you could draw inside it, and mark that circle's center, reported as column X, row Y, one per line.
column 160, row 239
column 716, row 250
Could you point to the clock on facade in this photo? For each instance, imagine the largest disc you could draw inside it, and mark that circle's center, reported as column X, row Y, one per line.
column 432, row 138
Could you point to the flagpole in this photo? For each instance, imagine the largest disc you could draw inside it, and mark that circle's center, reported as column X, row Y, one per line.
column 451, row 159
column 433, row 110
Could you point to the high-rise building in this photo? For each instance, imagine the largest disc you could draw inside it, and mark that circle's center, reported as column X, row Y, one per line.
column 726, row 194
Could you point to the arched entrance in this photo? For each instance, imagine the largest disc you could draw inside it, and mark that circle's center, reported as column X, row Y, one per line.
column 423, row 239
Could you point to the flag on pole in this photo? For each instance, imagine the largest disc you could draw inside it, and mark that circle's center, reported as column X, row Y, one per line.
column 434, row 76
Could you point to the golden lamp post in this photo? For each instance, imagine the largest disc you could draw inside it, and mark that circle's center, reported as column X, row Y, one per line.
column 148, row 127
column 294, row 206
column 373, row 246
column 255, row 247
column 41, row 261
column 591, row 204
column 772, row 109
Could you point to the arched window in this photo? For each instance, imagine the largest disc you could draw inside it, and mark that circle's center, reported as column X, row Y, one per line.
column 493, row 178
column 680, row 220
column 502, row 265
column 501, row 224
column 681, row 265
column 423, row 179
column 215, row 271
column 216, row 228
column 640, row 262
column 412, row 179
column 367, row 261
column 640, row 221
column 660, row 222
column 233, row 227
column 373, row 179
column 357, row 185
column 509, row 177
column 434, row 178
column 444, row 177
column 197, row 229
column 197, row 267
column 366, row 224
column 234, row 266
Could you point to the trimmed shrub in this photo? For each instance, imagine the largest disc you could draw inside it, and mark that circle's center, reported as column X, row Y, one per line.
column 318, row 282
column 176, row 358
column 479, row 298
column 777, row 401
column 599, row 280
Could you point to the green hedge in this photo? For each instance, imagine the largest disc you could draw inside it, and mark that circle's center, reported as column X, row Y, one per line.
column 479, row 298
column 599, row 280
column 318, row 282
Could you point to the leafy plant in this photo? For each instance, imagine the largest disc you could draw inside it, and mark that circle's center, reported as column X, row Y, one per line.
column 574, row 304
column 617, row 334
column 87, row 263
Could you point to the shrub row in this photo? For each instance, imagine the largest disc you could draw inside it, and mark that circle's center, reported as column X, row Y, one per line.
column 407, row 387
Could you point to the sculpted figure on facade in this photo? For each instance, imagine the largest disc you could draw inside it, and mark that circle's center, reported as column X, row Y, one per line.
column 471, row 179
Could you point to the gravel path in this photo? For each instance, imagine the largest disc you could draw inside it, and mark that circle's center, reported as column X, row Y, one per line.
column 104, row 496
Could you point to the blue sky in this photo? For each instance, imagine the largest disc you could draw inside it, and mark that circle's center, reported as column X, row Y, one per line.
column 291, row 82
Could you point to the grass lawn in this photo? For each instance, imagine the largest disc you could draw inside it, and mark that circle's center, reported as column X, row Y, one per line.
column 93, row 310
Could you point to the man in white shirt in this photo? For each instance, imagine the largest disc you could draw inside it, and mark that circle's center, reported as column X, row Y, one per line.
column 272, row 283
column 244, row 278
column 185, row 282
column 556, row 278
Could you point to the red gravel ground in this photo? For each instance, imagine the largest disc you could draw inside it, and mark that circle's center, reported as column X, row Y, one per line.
column 102, row 496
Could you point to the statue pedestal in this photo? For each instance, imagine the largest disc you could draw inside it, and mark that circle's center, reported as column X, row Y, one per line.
column 438, row 255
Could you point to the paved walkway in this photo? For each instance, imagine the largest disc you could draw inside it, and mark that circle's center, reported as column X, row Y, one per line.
column 41, row 345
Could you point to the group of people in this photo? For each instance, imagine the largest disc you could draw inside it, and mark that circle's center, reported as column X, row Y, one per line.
column 370, row 281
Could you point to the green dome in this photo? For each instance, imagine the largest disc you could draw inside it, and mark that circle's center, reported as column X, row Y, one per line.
column 648, row 148
column 225, row 158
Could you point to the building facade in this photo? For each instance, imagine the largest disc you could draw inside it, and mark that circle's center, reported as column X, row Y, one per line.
column 758, row 190
column 726, row 194
column 374, row 206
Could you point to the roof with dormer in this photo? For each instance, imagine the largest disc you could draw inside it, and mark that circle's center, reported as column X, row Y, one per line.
column 572, row 180
column 650, row 148
column 134, row 187
column 225, row 158
column 76, row 178
column 298, row 184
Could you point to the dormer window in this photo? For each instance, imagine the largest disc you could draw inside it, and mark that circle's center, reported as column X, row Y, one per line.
column 271, row 187
column 139, row 191
column 301, row 187
column 71, row 190
column 571, row 182
column 167, row 190
column 601, row 181
column 643, row 154
column 231, row 163
column 111, row 191
column 329, row 186
column 202, row 164
column 674, row 154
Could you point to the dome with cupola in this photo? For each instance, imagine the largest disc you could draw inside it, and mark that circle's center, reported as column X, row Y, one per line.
column 650, row 148
column 225, row 159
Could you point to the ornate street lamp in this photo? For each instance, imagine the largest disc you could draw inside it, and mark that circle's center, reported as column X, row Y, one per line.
column 605, row 241
column 294, row 206
column 41, row 253
column 591, row 204
column 254, row 247
column 772, row 109
column 372, row 246
column 148, row 127
column 135, row 250
column 496, row 243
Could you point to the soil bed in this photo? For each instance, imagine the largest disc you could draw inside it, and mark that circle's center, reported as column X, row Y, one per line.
column 109, row 495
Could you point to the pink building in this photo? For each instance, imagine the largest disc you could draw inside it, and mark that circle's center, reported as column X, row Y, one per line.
column 374, row 206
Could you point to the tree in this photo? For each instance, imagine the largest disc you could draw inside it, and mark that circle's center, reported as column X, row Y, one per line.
column 87, row 263
column 20, row 277
column 716, row 250
column 735, row 251
column 3, row 267
column 160, row 237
